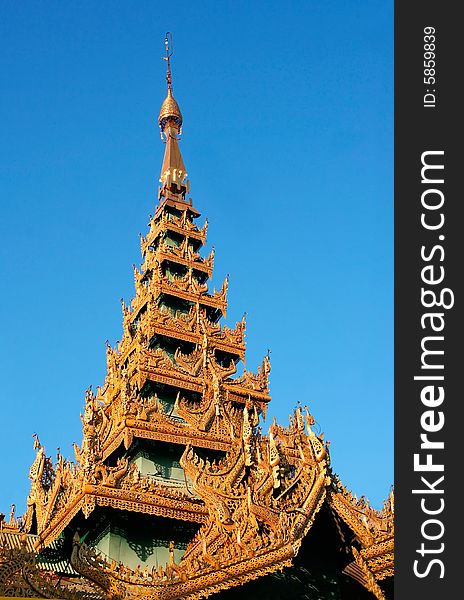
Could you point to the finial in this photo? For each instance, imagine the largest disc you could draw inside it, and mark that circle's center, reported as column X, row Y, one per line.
column 170, row 112
column 167, row 58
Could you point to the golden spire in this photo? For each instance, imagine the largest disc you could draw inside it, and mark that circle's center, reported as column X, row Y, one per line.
column 173, row 172
column 170, row 111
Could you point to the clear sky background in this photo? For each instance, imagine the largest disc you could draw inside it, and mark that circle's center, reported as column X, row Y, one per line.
column 288, row 142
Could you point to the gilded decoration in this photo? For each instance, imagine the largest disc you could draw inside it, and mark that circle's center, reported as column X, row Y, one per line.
column 174, row 381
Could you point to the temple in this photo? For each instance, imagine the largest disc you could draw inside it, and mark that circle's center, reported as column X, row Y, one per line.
column 175, row 492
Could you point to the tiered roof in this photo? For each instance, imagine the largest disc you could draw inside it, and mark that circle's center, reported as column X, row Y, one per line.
column 172, row 379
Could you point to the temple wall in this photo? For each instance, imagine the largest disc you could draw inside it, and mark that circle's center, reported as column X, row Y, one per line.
column 144, row 552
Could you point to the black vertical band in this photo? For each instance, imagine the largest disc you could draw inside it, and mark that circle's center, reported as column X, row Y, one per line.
column 429, row 236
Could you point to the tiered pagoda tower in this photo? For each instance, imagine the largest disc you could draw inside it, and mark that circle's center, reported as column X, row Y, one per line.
column 169, row 386
column 174, row 491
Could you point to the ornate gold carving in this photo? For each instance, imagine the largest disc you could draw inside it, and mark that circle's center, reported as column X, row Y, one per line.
column 256, row 502
column 374, row 530
column 370, row 582
column 247, row 529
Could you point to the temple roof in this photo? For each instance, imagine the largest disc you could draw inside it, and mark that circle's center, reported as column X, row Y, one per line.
column 172, row 397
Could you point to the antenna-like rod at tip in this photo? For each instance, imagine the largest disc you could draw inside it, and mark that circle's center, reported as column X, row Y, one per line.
column 167, row 58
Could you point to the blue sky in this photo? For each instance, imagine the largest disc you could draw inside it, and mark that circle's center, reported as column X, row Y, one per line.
column 288, row 141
